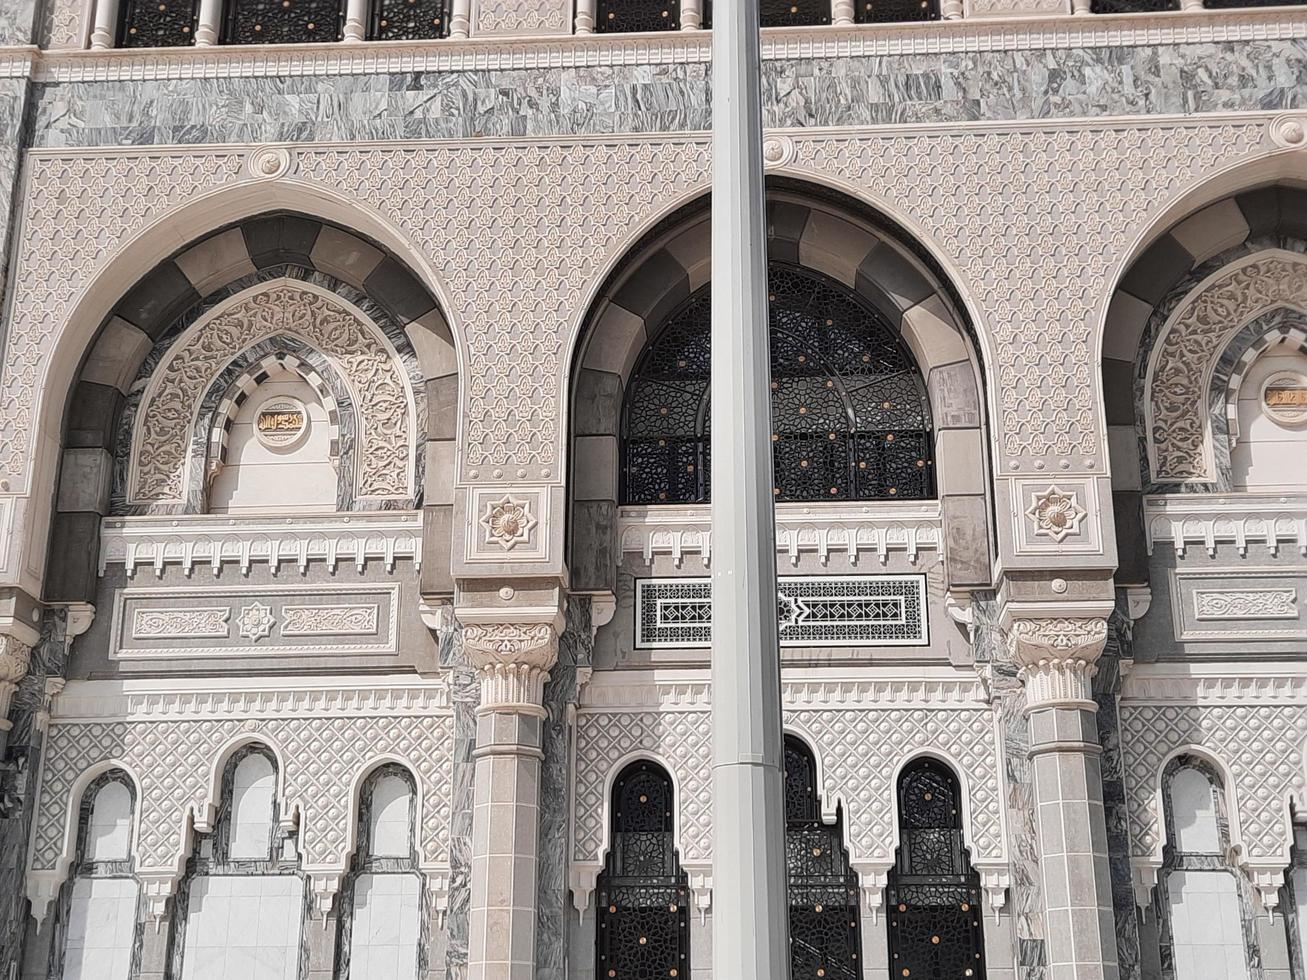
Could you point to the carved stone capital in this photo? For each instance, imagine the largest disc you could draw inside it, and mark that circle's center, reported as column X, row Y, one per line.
column 513, row 660
column 1058, row 658
column 15, row 658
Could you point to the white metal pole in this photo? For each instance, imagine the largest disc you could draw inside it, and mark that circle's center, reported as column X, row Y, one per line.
column 750, row 910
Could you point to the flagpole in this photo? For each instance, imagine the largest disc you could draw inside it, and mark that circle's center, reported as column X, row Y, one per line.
column 750, row 908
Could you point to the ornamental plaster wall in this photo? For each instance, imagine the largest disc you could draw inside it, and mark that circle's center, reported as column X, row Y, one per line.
column 486, row 241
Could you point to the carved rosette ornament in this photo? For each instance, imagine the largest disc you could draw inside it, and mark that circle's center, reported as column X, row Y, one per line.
column 1058, row 659
column 15, row 658
column 513, row 660
column 1056, row 513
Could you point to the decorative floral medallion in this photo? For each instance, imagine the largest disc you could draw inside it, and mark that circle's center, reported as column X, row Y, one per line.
column 1056, row 514
column 508, row 522
column 255, row 621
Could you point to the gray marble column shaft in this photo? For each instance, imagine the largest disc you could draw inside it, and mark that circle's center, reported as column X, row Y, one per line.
column 1057, row 658
column 513, row 661
column 750, row 912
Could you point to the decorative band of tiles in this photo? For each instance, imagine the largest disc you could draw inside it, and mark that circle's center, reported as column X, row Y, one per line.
column 852, row 611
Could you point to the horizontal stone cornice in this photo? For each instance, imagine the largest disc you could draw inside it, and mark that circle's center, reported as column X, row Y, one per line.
column 1258, row 683
column 207, row 698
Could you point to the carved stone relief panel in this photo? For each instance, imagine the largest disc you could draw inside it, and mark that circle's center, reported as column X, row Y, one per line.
column 1239, row 603
column 161, row 446
column 170, row 742
column 1191, row 342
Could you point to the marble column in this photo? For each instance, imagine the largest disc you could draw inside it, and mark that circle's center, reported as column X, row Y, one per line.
column 209, row 27
column 585, row 16
column 1057, row 659
column 356, row 17
column 513, row 662
column 750, row 908
column 106, row 24
column 460, row 19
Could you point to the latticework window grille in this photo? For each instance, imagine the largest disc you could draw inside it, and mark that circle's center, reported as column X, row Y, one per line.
column 628, row 16
column 283, row 21
column 935, row 923
column 157, row 23
column 783, row 13
column 1136, row 6
column 850, row 419
column 892, row 11
column 408, row 20
column 643, row 924
column 823, row 889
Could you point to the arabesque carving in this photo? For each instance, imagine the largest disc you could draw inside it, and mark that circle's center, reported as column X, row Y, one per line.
column 1194, row 337
column 1057, row 657
column 161, row 443
column 513, row 660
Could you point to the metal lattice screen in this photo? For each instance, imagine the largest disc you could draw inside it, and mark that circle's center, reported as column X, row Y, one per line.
column 850, row 418
column 823, row 889
column 157, row 23
column 935, row 924
column 283, row 21
column 643, row 924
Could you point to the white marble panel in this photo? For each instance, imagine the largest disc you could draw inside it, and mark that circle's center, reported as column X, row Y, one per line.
column 101, row 926
column 1193, row 810
column 108, row 837
column 253, row 787
column 390, row 831
column 1207, row 934
column 384, row 940
column 243, row 927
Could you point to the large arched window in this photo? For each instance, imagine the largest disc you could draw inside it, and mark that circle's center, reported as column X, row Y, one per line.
column 935, row 923
column 283, row 21
column 97, row 922
column 157, row 23
column 823, row 890
column 850, row 417
column 643, row 925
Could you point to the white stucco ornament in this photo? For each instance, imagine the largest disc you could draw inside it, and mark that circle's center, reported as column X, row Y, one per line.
column 508, row 522
column 270, row 161
column 1056, row 514
column 1289, row 131
column 777, row 151
column 255, row 621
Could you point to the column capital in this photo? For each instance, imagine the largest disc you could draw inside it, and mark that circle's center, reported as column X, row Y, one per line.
column 1057, row 657
column 15, row 658
column 512, row 655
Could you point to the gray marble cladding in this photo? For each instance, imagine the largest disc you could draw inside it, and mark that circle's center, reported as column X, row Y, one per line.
column 17, row 785
column 17, row 21
column 851, row 91
column 14, row 99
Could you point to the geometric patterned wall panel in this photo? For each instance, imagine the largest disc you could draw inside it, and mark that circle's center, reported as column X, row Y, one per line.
column 1261, row 746
column 860, row 748
column 320, row 759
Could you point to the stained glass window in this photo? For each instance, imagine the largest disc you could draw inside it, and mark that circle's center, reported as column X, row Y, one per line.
column 823, row 890
column 626, row 16
column 935, row 924
column 283, row 21
column 890, row 11
column 157, row 23
column 643, row 925
column 850, row 420
column 408, row 20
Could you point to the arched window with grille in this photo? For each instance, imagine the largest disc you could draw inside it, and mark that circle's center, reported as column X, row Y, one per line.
column 408, row 20
column 823, row 890
column 850, row 416
column 157, row 23
column 283, row 21
column 936, row 929
column 642, row 931
column 627, row 16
